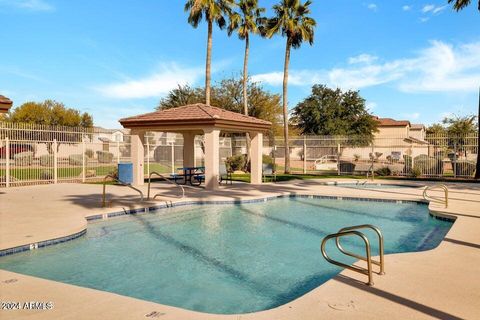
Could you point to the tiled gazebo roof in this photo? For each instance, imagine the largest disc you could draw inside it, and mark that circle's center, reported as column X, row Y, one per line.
column 5, row 104
column 196, row 115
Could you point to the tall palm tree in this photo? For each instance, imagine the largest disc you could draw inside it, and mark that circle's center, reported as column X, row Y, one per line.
column 460, row 4
column 212, row 11
column 248, row 20
column 292, row 21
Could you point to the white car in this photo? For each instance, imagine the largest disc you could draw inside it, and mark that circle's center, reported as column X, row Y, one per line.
column 326, row 163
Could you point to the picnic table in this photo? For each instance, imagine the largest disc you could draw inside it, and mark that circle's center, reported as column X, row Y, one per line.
column 192, row 175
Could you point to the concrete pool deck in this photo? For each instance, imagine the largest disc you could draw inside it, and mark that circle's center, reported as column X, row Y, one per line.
column 440, row 283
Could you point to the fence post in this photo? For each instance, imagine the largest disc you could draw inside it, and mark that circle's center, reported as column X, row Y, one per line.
column 373, row 161
column 7, row 164
column 118, row 152
column 455, row 159
column 338, row 159
column 148, row 155
column 304, row 154
column 55, row 161
column 173, row 156
column 84, row 167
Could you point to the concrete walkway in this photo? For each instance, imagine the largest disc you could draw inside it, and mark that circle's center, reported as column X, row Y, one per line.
column 441, row 283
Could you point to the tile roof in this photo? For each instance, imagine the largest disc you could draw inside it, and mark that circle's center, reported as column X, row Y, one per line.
column 5, row 100
column 5, row 103
column 389, row 122
column 198, row 112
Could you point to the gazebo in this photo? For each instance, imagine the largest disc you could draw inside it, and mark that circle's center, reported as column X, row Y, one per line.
column 192, row 120
column 5, row 104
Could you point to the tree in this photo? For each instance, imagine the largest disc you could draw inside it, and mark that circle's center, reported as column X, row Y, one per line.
column 227, row 94
column 460, row 125
column 213, row 11
column 49, row 113
column 247, row 21
column 436, row 129
column 291, row 20
column 460, row 4
column 333, row 112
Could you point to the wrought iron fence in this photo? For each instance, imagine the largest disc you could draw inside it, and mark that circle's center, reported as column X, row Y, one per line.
column 35, row 154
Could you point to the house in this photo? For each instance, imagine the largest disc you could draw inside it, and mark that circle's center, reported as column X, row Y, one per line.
column 5, row 104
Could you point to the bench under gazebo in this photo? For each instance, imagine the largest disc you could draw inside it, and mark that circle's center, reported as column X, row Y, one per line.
column 192, row 120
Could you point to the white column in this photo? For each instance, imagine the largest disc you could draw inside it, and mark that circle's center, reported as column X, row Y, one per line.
column 188, row 149
column 212, row 139
column 256, row 157
column 138, row 158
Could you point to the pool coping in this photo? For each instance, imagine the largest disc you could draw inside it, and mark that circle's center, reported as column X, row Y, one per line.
column 437, row 214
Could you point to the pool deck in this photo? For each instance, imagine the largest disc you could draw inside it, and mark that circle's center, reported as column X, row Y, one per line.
column 443, row 283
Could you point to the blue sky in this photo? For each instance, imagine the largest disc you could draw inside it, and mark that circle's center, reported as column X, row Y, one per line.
column 415, row 60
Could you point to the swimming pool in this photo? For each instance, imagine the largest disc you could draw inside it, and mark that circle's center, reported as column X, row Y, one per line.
column 225, row 258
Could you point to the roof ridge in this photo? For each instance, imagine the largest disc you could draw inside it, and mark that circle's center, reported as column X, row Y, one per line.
column 201, row 106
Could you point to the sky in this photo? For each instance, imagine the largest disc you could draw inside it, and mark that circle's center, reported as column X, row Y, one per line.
column 413, row 60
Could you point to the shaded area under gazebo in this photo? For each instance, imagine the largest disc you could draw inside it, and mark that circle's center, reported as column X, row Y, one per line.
column 192, row 120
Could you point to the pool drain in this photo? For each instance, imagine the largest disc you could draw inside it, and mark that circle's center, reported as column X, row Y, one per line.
column 154, row 314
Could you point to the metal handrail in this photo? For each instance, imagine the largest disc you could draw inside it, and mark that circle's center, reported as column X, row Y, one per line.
column 164, row 178
column 432, row 199
column 380, row 263
column 120, row 182
column 355, row 268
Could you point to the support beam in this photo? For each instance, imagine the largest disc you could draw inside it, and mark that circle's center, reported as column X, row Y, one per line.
column 188, row 149
column 138, row 156
column 212, row 155
column 256, row 157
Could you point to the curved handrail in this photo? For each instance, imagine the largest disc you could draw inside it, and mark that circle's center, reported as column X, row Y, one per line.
column 120, row 182
column 432, row 199
column 361, row 270
column 380, row 263
column 164, row 178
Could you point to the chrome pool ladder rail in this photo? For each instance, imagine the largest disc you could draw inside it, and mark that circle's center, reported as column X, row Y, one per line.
column 427, row 197
column 104, row 198
column 353, row 230
column 164, row 178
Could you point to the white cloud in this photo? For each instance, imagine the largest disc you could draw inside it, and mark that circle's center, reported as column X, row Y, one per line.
column 31, row 5
column 407, row 8
column 428, row 8
column 424, row 19
column 168, row 77
column 372, row 6
column 439, row 67
column 439, row 9
column 362, row 58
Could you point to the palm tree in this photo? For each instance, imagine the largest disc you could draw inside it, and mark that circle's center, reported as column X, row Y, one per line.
column 212, row 11
column 291, row 20
column 460, row 4
column 247, row 21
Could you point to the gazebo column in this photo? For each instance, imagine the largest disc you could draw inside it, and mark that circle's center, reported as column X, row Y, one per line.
column 138, row 155
column 188, row 149
column 256, row 153
column 212, row 140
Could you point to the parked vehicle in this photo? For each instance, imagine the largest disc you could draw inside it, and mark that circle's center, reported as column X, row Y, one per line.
column 326, row 163
column 15, row 148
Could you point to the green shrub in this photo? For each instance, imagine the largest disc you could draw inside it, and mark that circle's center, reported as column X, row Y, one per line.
column 385, row 171
column 89, row 153
column 428, row 165
column 237, row 162
column 75, row 159
column 416, row 172
column 464, row 168
column 47, row 160
column 104, row 156
column 356, row 157
column 46, row 175
column 23, row 158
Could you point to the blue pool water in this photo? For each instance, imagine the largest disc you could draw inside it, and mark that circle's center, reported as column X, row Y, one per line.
column 225, row 258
